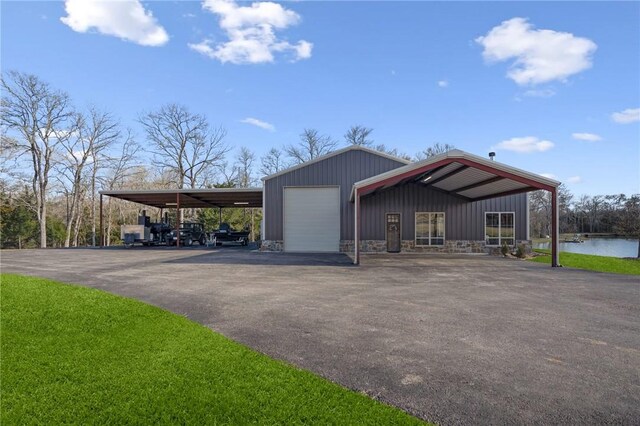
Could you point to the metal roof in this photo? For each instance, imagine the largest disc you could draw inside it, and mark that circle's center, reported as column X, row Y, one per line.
column 333, row 154
column 460, row 174
column 192, row 198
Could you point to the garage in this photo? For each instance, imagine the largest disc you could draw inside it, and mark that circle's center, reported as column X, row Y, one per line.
column 312, row 219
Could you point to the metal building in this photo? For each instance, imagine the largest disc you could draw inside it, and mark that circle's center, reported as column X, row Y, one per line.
column 357, row 199
column 360, row 200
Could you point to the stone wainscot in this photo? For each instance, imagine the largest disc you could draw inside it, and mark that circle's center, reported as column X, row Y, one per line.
column 408, row 246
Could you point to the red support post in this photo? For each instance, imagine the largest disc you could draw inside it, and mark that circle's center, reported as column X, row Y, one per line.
column 177, row 220
column 102, row 239
column 555, row 229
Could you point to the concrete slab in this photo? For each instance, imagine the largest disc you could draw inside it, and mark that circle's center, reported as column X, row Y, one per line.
column 451, row 339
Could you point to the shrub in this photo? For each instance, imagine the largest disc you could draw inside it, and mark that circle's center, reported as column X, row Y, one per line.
column 504, row 249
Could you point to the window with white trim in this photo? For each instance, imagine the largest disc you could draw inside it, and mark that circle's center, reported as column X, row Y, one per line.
column 429, row 229
column 499, row 228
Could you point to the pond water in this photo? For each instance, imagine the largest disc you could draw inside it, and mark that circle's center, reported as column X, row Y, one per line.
column 616, row 247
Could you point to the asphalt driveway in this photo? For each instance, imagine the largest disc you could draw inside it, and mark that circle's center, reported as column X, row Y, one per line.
column 451, row 339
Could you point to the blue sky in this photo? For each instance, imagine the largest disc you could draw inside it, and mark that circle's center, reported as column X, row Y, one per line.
column 555, row 92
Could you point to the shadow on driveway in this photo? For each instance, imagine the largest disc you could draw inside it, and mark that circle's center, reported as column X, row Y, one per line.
column 226, row 256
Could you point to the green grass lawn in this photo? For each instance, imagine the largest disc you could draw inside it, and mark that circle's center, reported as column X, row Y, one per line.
column 78, row 355
column 615, row 265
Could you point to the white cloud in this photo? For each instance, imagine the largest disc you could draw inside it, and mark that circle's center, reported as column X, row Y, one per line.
column 126, row 19
column 64, row 134
column 251, row 33
column 525, row 144
column 574, row 179
column 443, row 83
column 627, row 116
column 549, row 176
column 259, row 123
column 77, row 156
column 539, row 93
column 204, row 47
column 589, row 137
column 539, row 55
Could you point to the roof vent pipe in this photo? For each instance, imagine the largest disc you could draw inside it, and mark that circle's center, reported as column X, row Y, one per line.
column 491, row 155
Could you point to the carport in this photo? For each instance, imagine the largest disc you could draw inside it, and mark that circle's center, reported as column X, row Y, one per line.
column 462, row 175
column 186, row 199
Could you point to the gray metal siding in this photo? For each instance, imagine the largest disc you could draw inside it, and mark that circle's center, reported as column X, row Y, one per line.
column 342, row 170
column 463, row 220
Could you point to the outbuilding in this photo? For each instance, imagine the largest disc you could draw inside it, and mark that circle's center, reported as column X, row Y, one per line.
column 360, row 200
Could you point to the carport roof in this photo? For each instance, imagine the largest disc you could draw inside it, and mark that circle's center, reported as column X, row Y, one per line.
column 461, row 175
column 192, row 198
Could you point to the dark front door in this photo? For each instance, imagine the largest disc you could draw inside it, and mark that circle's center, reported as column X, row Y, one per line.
column 393, row 232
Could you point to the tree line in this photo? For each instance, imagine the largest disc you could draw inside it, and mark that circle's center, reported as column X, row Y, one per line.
column 616, row 214
column 55, row 157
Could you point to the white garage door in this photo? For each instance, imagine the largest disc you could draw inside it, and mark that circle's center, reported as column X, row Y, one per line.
column 312, row 219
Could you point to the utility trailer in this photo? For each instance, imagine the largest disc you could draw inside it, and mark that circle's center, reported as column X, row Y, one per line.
column 145, row 232
column 131, row 234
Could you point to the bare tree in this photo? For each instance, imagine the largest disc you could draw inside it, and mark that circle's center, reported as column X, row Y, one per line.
column 70, row 164
column 434, row 150
column 580, row 210
column 272, row 162
column 120, row 168
column 392, row 151
column 9, row 153
column 228, row 176
column 311, row 145
column 566, row 219
column 358, row 135
column 594, row 206
column 186, row 143
column 91, row 136
column 103, row 132
column 540, row 211
column 244, row 167
column 39, row 116
column 245, row 178
column 629, row 223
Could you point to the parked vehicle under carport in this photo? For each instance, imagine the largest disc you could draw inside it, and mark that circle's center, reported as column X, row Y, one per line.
column 227, row 234
column 190, row 232
column 145, row 232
